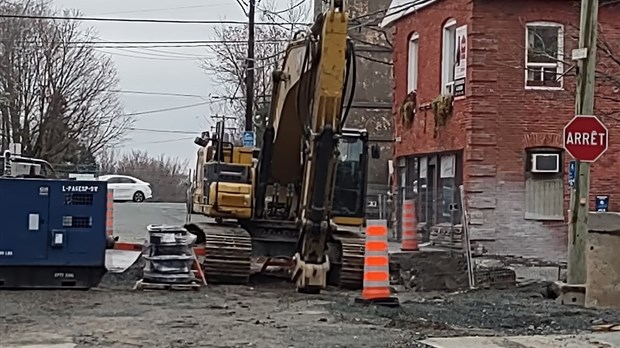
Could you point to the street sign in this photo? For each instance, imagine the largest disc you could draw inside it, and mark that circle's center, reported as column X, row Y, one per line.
column 249, row 139
column 586, row 138
column 602, row 204
column 572, row 173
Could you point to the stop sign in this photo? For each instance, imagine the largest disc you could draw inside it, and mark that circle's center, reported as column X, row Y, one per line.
column 585, row 138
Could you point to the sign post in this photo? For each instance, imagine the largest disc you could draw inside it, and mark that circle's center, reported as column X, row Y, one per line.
column 586, row 140
column 249, row 139
column 572, row 172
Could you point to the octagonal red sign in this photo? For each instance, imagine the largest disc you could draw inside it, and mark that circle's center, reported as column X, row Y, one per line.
column 585, row 138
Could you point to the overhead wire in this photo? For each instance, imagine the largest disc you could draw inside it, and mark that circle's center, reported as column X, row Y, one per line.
column 163, row 9
column 158, row 93
column 157, row 53
column 161, row 131
column 161, row 141
column 142, row 20
column 148, row 112
column 150, row 58
column 294, row 6
column 400, row 8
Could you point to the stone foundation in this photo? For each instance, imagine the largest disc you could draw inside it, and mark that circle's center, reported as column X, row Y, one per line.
column 603, row 261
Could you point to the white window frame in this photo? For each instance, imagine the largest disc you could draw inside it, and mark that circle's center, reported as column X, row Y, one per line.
column 448, row 56
column 559, row 66
column 412, row 62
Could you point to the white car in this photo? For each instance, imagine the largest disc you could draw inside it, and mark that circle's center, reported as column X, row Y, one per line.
column 128, row 188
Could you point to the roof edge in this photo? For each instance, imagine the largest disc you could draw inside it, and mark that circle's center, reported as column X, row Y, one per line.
column 398, row 10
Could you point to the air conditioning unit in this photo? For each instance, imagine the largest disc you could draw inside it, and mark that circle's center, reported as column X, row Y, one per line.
column 545, row 163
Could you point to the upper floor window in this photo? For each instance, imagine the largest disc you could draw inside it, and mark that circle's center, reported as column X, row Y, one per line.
column 412, row 64
column 545, row 52
column 448, row 56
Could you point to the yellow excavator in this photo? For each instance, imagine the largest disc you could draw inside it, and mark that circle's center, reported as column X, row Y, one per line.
column 301, row 196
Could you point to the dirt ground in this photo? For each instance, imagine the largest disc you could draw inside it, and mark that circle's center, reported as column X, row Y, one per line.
column 271, row 314
column 267, row 314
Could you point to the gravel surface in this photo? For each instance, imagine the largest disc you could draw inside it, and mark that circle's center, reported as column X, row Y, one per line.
column 268, row 313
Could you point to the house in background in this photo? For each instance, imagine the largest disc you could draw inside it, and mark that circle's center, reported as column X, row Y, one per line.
column 482, row 92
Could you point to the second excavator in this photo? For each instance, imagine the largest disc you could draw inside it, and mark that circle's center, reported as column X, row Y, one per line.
column 302, row 195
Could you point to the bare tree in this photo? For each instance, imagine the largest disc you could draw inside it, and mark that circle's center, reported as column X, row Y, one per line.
column 167, row 176
column 228, row 68
column 54, row 87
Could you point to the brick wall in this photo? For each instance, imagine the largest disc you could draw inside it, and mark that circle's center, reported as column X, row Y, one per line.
column 499, row 118
column 419, row 137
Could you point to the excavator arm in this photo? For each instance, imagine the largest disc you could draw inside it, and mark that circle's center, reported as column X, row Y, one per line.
column 322, row 126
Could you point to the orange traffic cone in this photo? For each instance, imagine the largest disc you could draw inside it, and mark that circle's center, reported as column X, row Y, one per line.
column 109, row 223
column 109, row 220
column 376, row 266
column 409, row 223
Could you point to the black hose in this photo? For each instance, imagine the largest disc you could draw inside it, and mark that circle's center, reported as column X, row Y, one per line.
column 300, row 90
column 352, row 58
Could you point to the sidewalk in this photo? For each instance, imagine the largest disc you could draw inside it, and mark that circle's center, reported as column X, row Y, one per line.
column 611, row 339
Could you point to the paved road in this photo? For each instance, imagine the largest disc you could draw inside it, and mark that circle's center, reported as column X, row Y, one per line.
column 131, row 219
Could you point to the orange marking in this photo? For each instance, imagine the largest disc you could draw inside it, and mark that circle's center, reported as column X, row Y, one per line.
column 128, row 246
column 372, row 293
column 374, row 276
column 409, row 245
column 376, row 246
column 200, row 251
column 376, row 230
column 376, row 261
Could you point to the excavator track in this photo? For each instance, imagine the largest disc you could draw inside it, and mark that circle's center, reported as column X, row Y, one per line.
column 228, row 252
column 351, row 261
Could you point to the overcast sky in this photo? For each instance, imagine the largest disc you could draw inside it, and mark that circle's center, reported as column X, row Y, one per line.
column 175, row 70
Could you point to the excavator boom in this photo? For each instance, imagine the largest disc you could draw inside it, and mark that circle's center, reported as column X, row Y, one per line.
column 321, row 135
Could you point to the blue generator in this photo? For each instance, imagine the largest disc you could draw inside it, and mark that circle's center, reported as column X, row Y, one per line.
column 52, row 234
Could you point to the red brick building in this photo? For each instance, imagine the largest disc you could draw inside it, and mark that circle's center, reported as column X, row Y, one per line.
column 504, row 67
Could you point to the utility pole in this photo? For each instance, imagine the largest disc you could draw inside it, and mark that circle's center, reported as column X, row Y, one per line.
column 249, row 82
column 584, row 105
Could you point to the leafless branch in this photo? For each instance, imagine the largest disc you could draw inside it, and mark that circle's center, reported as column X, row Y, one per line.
column 55, row 102
column 228, row 68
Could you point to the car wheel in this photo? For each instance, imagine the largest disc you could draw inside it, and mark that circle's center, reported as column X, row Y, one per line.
column 138, row 197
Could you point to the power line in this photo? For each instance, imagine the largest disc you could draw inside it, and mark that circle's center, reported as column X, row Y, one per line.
column 161, row 131
column 138, row 20
column 161, row 141
column 157, row 93
column 163, row 9
column 167, row 109
column 145, row 51
column 151, row 58
column 286, row 10
column 172, row 42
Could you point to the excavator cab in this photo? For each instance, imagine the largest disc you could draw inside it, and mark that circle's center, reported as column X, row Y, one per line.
column 348, row 206
column 223, row 182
